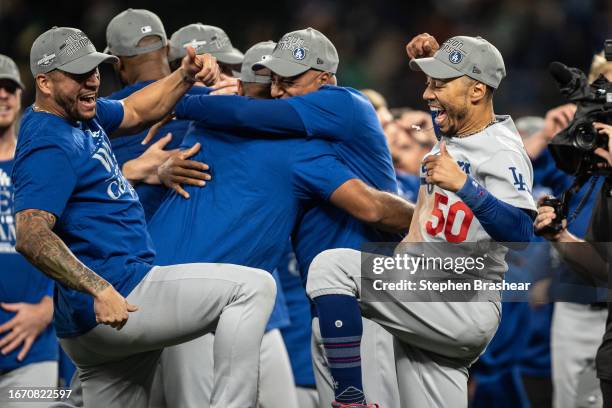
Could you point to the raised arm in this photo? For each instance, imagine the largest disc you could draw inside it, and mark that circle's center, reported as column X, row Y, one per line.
column 150, row 104
column 45, row 250
column 269, row 117
column 383, row 210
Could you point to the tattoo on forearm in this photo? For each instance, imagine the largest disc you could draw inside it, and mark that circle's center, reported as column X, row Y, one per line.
column 45, row 250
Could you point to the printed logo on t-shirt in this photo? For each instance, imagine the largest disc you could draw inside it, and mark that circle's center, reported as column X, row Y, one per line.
column 7, row 220
column 117, row 185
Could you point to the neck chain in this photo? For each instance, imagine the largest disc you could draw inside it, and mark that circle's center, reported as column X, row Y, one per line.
column 37, row 109
column 494, row 121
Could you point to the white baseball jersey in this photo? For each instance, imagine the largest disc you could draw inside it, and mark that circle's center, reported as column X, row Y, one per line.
column 495, row 158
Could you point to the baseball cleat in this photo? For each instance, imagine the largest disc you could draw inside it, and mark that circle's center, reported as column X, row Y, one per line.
column 336, row 404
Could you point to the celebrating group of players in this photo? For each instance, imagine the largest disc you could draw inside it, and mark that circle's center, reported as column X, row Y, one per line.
column 162, row 214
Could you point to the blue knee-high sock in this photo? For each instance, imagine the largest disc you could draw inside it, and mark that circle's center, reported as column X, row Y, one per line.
column 341, row 330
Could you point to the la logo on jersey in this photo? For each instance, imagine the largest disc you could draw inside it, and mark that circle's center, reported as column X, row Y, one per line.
column 519, row 181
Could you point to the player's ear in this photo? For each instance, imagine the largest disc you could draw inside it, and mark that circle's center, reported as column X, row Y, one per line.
column 478, row 92
column 44, row 83
column 324, row 78
column 240, row 88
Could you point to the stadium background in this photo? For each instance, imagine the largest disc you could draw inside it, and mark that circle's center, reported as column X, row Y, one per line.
column 370, row 35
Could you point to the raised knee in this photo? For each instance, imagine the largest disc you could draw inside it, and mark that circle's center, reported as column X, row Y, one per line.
column 264, row 285
column 326, row 261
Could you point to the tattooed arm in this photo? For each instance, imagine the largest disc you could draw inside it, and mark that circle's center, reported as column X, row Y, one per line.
column 45, row 250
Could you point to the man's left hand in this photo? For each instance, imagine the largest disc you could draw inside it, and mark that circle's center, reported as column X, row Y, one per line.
column 443, row 171
column 29, row 321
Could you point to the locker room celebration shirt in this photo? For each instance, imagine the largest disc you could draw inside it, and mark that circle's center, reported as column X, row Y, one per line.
column 68, row 169
column 340, row 115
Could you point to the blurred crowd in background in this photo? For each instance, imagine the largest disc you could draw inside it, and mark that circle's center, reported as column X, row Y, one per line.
column 520, row 363
column 369, row 36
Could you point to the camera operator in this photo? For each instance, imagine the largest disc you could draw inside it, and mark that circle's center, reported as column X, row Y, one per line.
column 589, row 257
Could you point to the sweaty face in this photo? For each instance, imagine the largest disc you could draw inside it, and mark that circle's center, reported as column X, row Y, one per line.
column 10, row 103
column 450, row 97
column 285, row 87
column 76, row 94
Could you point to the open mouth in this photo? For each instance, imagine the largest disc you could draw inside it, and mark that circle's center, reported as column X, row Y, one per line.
column 89, row 101
column 440, row 114
column 4, row 109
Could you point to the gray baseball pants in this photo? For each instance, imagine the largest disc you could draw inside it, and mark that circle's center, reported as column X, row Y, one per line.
column 185, row 379
column 435, row 341
column 177, row 304
column 43, row 374
column 576, row 334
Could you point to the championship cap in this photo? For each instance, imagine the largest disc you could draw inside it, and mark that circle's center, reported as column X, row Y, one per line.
column 127, row 28
column 67, row 49
column 299, row 51
column 9, row 70
column 205, row 39
column 472, row 56
column 257, row 53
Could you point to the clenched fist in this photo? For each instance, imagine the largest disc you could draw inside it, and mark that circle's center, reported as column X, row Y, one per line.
column 443, row 171
column 421, row 46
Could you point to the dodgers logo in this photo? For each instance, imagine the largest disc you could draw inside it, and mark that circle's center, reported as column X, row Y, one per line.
column 299, row 53
column 455, row 57
column 519, row 182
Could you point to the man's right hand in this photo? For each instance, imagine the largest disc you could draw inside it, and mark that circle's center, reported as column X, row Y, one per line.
column 177, row 170
column 421, row 46
column 545, row 217
column 111, row 308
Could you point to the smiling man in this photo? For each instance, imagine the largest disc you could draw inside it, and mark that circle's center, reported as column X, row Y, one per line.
column 27, row 339
column 80, row 222
column 475, row 188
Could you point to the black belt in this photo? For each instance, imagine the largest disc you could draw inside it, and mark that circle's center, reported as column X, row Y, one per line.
column 598, row 306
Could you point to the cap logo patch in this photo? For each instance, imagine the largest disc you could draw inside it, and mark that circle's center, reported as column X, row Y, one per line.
column 475, row 70
column 195, row 44
column 455, row 57
column 74, row 42
column 220, row 41
column 46, row 60
column 319, row 61
column 299, row 53
column 294, row 44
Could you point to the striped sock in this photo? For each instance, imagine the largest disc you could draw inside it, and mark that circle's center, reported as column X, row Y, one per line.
column 341, row 329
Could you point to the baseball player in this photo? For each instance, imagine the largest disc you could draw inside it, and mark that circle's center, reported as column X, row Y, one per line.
column 303, row 65
column 27, row 339
column 79, row 221
column 138, row 38
column 298, row 173
column 298, row 334
column 489, row 198
column 207, row 39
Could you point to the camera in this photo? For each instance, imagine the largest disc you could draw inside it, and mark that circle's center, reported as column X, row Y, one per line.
column 573, row 148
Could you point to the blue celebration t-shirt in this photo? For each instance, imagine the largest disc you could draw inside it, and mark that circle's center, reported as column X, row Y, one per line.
column 338, row 114
column 68, row 169
column 259, row 188
column 20, row 281
column 127, row 148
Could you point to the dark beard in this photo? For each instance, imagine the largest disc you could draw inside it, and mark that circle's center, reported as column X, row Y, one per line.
column 69, row 105
column 458, row 114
